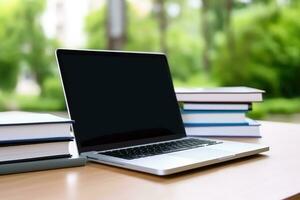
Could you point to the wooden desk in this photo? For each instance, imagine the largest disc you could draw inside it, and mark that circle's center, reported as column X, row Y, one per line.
column 273, row 175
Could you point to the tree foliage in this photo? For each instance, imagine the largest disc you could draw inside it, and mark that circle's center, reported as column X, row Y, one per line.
column 22, row 42
column 183, row 42
column 267, row 50
column 254, row 44
column 10, row 55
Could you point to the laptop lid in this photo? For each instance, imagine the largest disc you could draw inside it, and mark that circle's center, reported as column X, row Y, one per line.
column 119, row 99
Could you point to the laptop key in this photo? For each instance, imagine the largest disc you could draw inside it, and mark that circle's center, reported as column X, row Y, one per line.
column 160, row 148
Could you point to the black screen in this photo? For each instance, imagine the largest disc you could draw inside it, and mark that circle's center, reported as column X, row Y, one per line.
column 118, row 98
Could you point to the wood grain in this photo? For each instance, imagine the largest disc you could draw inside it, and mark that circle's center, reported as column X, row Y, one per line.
column 272, row 175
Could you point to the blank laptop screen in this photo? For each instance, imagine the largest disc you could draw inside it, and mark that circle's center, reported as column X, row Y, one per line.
column 118, row 98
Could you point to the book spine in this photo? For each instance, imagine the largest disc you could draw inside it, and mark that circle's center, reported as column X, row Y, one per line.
column 226, row 136
column 35, row 141
column 211, row 111
column 38, row 123
column 215, row 124
column 41, row 165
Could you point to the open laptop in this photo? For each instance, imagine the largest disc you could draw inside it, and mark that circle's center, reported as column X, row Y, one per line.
column 126, row 114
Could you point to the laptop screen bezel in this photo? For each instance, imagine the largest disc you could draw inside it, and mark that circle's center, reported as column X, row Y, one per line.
column 60, row 54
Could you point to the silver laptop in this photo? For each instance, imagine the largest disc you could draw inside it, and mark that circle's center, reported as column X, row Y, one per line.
column 126, row 114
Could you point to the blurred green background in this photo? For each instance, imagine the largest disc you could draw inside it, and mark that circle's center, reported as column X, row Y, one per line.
column 251, row 43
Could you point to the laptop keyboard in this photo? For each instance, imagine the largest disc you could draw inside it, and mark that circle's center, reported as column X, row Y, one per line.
column 160, row 148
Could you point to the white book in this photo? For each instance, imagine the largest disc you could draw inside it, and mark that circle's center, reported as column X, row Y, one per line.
column 19, row 126
column 34, row 151
column 202, row 117
column 219, row 94
column 251, row 130
column 216, row 106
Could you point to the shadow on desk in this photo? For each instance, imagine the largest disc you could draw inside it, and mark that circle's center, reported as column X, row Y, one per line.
column 169, row 179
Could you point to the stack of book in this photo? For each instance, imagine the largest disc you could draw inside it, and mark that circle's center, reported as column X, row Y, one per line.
column 32, row 137
column 219, row 111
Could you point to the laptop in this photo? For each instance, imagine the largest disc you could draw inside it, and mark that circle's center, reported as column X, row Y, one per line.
column 127, row 115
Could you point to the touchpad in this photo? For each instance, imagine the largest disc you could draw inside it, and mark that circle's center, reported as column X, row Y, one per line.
column 202, row 154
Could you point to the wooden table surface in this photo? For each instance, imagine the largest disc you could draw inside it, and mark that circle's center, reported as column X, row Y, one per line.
column 272, row 175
